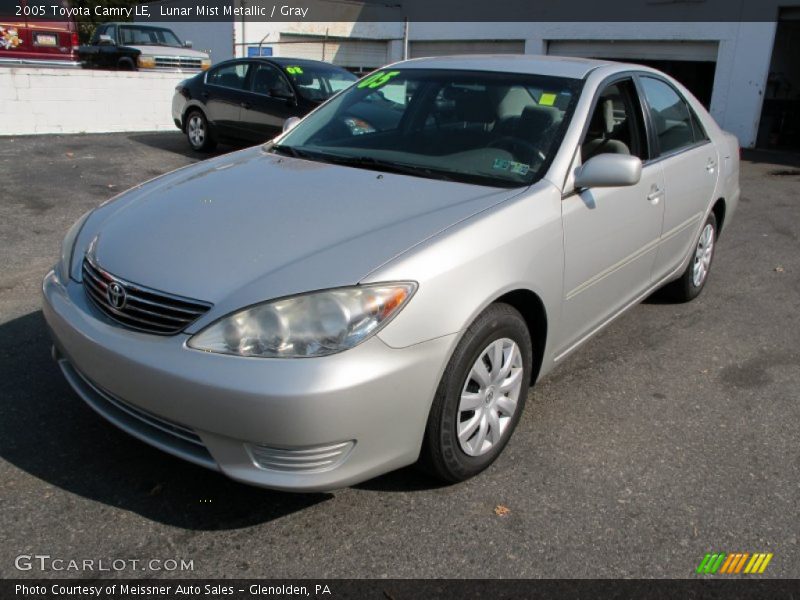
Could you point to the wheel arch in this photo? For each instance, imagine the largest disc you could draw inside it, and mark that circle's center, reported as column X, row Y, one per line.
column 719, row 214
column 189, row 108
column 532, row 309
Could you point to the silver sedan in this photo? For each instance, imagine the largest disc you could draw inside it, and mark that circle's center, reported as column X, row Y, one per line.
column 382, row 283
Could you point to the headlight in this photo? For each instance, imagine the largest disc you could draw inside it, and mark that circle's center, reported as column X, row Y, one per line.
column 205, row 64
column 315, row 324
column 68, row 247
column 146, row 61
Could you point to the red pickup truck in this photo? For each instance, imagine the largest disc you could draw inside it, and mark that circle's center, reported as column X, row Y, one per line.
column 31, row 41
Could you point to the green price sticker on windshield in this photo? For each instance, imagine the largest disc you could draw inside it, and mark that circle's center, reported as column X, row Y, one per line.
column 294, row 70
column 378, row 79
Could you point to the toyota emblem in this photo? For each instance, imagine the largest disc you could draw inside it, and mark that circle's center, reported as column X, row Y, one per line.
column 116, row 295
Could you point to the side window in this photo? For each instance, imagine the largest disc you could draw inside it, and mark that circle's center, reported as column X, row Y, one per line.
column 111, row 31
column 97, row 33
column 229, row 76
column 699, row 133
column 267, row 80
column 671, row 115
column 616, row 125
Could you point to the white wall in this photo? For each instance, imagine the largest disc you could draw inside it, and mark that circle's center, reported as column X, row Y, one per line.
column 37, row 100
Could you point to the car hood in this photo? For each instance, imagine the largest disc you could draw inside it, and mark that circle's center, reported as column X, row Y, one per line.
column 167, row 51
column 251, row 226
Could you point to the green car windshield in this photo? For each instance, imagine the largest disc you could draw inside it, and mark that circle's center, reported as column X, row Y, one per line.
column 488, row 128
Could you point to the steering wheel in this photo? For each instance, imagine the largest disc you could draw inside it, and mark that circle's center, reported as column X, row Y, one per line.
column 513, row 144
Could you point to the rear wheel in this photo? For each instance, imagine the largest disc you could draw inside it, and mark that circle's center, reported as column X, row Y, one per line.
column 197, row 132
column 480, row 397
column 694, row 278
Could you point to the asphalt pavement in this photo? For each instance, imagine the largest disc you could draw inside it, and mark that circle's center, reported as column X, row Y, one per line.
column 672, row 433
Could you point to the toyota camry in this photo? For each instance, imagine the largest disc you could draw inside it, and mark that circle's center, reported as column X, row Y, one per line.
column 382, row 283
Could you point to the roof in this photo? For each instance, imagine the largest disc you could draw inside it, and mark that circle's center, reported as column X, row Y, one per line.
column 574, row 68
column 288, row 60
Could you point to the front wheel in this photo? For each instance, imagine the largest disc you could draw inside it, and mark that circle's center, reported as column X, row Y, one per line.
column 197, row 132
column 693, row 280
column 480, row 397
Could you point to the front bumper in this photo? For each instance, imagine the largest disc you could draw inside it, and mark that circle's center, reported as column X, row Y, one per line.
column 370, row 403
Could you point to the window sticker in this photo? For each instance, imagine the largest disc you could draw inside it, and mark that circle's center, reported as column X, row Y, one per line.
column 517, row 168
column 547, row 99
column 294, row 70
column 378, row 79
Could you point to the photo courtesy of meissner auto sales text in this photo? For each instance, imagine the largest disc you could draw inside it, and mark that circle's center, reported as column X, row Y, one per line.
column 399, row 300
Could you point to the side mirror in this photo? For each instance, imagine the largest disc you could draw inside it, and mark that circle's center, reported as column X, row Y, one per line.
column 609, row 170
column 105, row 40
column 290, row 123
column 187, row 44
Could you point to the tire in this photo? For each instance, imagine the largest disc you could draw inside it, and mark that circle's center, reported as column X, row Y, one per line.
column 694, row 278
column 446, row 456
column 198, row 133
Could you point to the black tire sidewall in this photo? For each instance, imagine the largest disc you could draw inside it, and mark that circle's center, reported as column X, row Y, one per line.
column 499, row 321
column 691, row 290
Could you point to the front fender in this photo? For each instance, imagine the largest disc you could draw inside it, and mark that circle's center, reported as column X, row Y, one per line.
column 515, row 245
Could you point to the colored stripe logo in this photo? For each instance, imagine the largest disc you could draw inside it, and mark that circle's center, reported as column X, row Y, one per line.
column 734, row 563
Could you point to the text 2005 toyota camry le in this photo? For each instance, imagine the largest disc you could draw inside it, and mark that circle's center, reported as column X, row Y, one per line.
column 382, row 283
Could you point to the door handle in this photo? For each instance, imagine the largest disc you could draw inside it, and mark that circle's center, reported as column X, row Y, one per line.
column 655, row 194
column 711, row 165
column 245, row 105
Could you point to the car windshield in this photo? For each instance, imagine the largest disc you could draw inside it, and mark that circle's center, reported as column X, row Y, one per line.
column 489, row 128
column 319, row 82
column 148, row 36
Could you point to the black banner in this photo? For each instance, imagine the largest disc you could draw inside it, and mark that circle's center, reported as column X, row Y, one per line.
column 400, row 10
column 408, row 589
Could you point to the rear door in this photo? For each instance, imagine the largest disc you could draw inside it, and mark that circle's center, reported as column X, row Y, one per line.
column 690, row 164
column 610, row 234
column 224, row 94
column 270, row 102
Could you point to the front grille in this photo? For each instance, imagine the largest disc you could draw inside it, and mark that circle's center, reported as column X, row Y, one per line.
column 299, row 460
column 142, row 309
column 177, row 62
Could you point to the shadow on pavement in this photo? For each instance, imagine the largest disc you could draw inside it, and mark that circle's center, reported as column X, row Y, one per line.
column 48, row 432
column 175, row 141
column 772, row 157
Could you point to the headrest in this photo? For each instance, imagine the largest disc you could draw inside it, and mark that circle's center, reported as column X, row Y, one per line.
column 474, row 107
column 602, row 122
column 535, row 120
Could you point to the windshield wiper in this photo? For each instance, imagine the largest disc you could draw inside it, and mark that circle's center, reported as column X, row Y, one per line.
column 369, row 162
column 289, row 151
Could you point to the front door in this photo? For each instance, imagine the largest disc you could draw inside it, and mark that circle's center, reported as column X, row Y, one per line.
column 270, row 102
column 610, row 234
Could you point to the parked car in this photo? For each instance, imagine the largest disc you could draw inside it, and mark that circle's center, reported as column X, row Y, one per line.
column 250, row 98
column 342, row 301
column 35, row 42
column 132, row 46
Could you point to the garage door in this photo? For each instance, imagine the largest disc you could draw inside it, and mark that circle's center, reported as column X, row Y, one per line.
column 418, row 49
column 635, row 50
column 348, row 53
